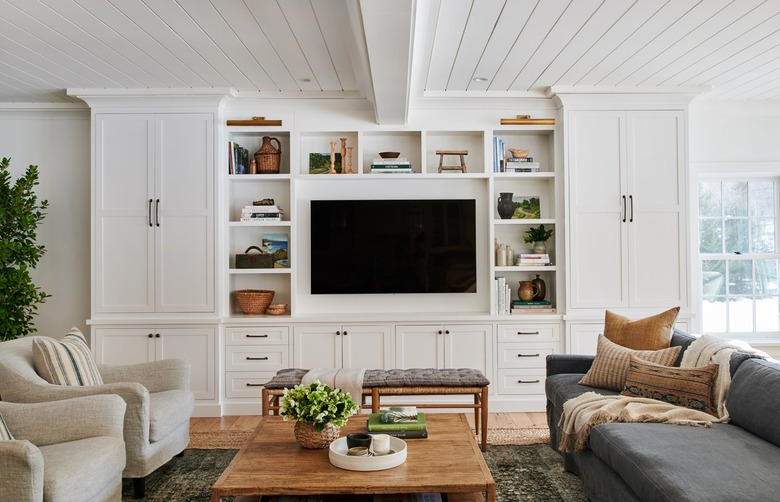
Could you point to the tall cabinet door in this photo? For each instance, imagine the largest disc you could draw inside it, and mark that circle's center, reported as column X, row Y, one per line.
column 598, row 203
column 184, row 213
column 123, row 264
column 657, row 228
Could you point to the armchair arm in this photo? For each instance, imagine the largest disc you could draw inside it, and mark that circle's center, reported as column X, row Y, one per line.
column 568, row 363
column 156, row 376
column 21, row 471
column 68, row 420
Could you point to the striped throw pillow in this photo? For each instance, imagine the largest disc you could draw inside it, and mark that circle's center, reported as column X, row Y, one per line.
column 5, row 434
column 610, row 365
column 689, row 387
column 67, row 361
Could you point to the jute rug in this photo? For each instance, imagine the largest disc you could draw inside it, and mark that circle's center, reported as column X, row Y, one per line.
column 532, row 473
column 235, row 439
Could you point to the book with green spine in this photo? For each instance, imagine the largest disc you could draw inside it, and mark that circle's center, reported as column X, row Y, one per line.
column 376, row 425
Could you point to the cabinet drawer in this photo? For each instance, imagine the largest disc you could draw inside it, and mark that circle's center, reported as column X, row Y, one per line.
column 521, row 381
column 246, row 384
column 529, row 333
column 525, row 355
column 252, row 358
column 268, row 335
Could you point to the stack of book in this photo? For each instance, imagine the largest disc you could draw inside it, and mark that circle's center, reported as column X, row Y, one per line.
column 391, row 166
column 540, row 259
column 238, row 159
column 503, row 294
column 261, row 213
column 399, row 421
column 533, row 307
column 521, row 165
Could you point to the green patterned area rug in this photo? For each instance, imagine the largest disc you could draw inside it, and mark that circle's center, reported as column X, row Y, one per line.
column 522, row 473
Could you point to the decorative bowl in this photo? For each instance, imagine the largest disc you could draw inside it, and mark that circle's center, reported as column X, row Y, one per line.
column 276, row 309
column 337, row 455
column 518, row 153
column 389, row 155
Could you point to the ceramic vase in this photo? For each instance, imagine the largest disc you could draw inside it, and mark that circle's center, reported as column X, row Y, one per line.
column 505, row 206
column 541, row 288
column 526, row 291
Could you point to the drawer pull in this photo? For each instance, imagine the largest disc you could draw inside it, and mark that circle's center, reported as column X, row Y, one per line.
column 528, row 381
column 248, row 384
column 248, row 358
column 527, row 355
column 255, row 336
column 527, row 332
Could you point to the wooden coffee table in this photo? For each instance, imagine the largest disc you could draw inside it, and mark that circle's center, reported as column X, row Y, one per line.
column 272, row 463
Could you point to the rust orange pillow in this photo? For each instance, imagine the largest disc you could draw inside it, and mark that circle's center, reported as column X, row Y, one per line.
column 649, row 333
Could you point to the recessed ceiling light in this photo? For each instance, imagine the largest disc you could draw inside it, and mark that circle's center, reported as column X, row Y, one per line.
column 480, row 79
column 306, row 80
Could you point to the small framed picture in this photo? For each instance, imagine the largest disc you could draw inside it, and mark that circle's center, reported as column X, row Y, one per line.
column 319, row 163
column 527, row 207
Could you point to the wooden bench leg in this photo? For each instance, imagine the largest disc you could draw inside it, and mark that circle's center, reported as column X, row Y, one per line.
column 484, row 417
column 375, row 400
column 265, row 402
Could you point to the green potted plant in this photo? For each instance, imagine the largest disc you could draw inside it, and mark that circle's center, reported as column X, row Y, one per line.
column 539, row 237
column 20, row 214
column 318, row 411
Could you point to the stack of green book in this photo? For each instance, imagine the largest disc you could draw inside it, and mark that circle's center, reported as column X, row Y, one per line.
column 401, row 422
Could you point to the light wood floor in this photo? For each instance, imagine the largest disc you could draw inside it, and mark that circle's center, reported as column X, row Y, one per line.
column 249, row 422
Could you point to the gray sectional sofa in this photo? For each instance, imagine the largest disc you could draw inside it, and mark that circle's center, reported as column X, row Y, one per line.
column 736, row 461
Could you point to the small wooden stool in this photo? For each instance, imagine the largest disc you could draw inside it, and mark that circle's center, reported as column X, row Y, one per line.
column 460, row 153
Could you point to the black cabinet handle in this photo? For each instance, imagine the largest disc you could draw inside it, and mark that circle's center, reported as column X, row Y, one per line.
column 345, row 333
column 157, row 212
column 440, row 332
column 150, row 335
column 248, row 358
column 157, row 335
column 528, row 381
column 446, row 332
column 254, row 384
column 150, row 212
column 338, row 333
column 527, row 355
column 631, row 204
column 255, row 336
column 527, row 332
column 624, row 208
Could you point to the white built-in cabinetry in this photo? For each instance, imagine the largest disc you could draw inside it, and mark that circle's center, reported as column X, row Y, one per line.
column 522, row 351
column 154, row 246
column 343, row 346
column 445, row 346
column 626, row 211
column 142, row 344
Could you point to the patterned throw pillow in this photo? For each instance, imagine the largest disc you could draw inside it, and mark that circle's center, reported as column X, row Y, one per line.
column 5, row 434
column 650, row 333
column 689, row 387
column 67, row 361
column 610, row 366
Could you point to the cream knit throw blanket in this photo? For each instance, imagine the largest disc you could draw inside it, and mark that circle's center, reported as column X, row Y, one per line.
column 583, row 412
column 349, row 380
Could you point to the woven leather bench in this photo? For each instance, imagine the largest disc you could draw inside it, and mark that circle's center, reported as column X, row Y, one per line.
column 396, row 382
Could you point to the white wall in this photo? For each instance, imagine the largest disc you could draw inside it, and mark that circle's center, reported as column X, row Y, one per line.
column 58, row 143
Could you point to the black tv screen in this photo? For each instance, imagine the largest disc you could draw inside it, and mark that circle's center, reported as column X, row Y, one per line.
column 393, row 246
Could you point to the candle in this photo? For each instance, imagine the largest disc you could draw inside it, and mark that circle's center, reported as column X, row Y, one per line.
column 381, row 444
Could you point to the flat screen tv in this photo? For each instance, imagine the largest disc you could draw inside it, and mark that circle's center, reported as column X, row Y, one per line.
column 393, row 246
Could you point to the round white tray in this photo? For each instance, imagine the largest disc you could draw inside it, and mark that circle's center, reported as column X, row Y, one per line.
column 337, row 455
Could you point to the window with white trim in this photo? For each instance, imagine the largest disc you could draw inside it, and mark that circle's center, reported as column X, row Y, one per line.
column 739, row 256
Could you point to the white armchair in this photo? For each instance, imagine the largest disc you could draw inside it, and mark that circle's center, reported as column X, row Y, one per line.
column 157, row 394
column 70, row 450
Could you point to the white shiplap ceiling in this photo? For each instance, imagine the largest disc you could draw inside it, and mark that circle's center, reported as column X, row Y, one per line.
column 391, row 52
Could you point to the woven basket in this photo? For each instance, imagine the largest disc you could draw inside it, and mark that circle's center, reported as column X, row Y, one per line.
column 268, row 163
column 254, row 301
column 308, row 437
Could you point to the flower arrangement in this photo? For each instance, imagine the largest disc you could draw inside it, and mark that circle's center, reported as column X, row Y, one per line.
column 317, row 404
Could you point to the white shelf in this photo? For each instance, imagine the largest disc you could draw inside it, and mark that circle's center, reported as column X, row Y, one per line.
column 532, row 268
column 258, row 271
column 518, row 221
column 260, row 223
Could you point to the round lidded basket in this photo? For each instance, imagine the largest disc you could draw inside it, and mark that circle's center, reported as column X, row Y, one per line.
column 254, row 301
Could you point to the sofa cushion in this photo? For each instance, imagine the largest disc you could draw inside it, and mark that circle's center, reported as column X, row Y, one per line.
column 67, row 361
column 676, row 463
column 564, row 386
column 754, row 399
column 689, row 387
column 611, row 363
column 5, row 434
column 166, row 412
column 649, row 333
